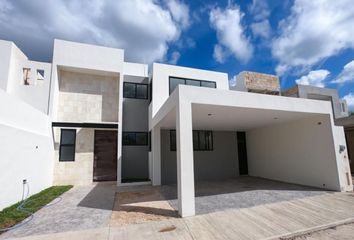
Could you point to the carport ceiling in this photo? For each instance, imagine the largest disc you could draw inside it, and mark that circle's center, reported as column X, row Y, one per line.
column 226, row 118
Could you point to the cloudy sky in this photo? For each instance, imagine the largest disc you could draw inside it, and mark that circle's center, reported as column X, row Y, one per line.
column 302, row 41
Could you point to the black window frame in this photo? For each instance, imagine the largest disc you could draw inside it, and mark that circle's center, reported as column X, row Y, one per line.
column 196, row 147
column 67, row 145
column 135, row 90
column 135, row 139
column 185, row 82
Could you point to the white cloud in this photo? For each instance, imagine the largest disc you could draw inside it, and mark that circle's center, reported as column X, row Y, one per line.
column 232, row 81
column 259, row 10
column 174, row 57
column 347, row 74
column 315, row 78
column 180, row 12
column 230, row 33
column 142, row 27
column 350, row 101
column 314, row 31
column 219, row 54
column 261, row 29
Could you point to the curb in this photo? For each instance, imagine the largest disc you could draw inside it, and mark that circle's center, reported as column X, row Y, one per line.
column 306, row 231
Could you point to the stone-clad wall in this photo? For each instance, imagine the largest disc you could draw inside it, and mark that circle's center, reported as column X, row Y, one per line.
column 80, row 171
column 260, row 81
column 87, row 98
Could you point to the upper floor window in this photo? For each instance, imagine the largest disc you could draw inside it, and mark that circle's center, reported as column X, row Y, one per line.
column 135, row 138
column 202, row 140
column 343, row 107
column 135, row 90
column 26, row 73
column 175, row 81
column 67, row 145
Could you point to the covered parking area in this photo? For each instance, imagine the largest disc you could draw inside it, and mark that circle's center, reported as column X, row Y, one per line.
column 289, row 140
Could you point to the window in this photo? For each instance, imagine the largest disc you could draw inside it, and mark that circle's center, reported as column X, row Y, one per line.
column 150, row 141
column 40, row 74
column 26, row 76
column 135, row 90
column 67, row 145
column 174, row 82
column 343, row 107
column 202, row 140
column 135, row 138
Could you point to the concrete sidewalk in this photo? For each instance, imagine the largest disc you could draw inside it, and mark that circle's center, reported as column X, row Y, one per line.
column 269, row 221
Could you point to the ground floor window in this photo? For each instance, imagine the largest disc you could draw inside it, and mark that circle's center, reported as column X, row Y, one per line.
column 202, row 140
column 67, row 145
column 135, row 138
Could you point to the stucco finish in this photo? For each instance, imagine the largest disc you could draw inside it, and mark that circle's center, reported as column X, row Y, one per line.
column 26, row 149
column 299, row 152
column 135, row 159
column 219, row 164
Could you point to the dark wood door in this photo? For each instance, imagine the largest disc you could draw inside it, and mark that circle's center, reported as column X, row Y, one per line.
column 242, row 153
column 105, row 156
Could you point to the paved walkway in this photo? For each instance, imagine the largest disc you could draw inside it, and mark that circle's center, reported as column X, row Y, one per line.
column 83, row 207
column 269, row 221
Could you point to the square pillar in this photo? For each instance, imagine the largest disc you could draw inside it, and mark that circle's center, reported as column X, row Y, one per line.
column 156, row 155
column 185, row 164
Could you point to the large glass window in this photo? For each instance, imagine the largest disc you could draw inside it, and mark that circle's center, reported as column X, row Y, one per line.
column 67, row 145
column 135, row 90
column 202, row 140
column 174, row 82
column 135, row 138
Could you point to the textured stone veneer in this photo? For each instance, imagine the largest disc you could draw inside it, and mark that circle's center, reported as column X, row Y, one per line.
column 80, row 171
column 260, row 81
column 87, row 98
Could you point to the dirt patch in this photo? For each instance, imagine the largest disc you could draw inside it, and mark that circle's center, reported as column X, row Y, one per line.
column 140, row 207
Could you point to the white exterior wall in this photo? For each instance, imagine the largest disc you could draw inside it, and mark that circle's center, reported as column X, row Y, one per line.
column 301, row 152
column 26, row 148
column 5, row 61
column 12, row 61
column 160, row 81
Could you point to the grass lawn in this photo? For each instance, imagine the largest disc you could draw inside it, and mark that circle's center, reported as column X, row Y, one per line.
column 11, row 215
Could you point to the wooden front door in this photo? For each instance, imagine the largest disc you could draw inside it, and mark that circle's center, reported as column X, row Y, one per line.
column 105, row 156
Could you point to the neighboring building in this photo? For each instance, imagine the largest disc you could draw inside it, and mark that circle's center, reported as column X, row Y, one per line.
column 348, row 124
column 257, row 83
column 112, row 120
column 340, row 108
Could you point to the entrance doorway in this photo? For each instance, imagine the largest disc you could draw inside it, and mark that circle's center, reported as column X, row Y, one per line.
column 105, row 156
column 242, row 153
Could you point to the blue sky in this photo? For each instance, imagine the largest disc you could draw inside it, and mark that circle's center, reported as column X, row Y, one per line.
column 309, row 42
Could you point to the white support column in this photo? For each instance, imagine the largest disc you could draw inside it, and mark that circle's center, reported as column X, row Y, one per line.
column 156, row 155
column 185, row 165
column 119, row 132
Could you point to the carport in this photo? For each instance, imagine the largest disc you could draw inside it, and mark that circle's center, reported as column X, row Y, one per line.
column 290, row 140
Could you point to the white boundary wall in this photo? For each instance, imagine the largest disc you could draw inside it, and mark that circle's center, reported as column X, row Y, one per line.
column 26, row 148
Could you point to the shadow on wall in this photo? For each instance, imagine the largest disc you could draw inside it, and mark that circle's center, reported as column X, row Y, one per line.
column 100, row 197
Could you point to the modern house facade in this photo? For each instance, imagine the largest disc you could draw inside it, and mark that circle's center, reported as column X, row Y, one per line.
column 112, row 120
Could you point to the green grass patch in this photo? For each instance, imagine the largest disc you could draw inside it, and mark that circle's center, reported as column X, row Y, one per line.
column 11, row 215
